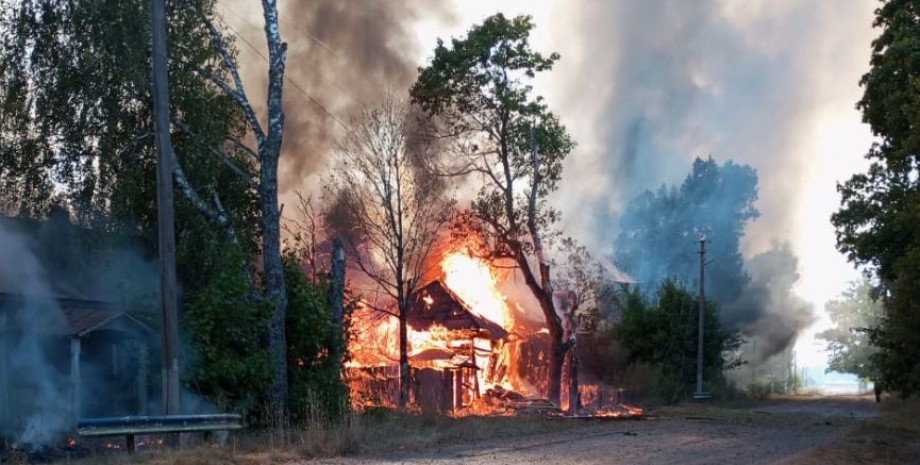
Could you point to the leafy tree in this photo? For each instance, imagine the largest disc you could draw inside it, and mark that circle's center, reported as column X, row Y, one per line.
column 854, row 314
column 659, row 229
column 230, row 364
column 316, row 344
column 389, row 209
column 76, row 120
column 877, row 221
column 266, row 155
column 663, row 332
column 478, row 90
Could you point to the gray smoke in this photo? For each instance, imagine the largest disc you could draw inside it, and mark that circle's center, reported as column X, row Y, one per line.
column 42, row 401
column 768, row 310
column 342, row 57
column 44, row 263
column 663, row 81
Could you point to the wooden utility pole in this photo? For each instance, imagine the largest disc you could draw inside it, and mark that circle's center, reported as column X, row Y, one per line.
column 337, row 295
column 700, row 394
column 165, row 210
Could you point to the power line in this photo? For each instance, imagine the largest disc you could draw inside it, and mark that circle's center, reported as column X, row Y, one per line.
column 287, row 78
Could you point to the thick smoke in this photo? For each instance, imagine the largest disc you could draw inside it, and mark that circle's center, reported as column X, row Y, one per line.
column 342, row 57
column 667, row 81
column 768, row 309
column 661, row 82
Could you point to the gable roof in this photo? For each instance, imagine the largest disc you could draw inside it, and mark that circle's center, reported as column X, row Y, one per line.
column 79, row 317
column 436, row 304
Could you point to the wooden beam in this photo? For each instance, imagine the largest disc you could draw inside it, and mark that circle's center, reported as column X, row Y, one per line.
column 75, row 394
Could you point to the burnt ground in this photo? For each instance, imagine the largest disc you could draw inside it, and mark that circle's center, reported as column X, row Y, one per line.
column 791, row 430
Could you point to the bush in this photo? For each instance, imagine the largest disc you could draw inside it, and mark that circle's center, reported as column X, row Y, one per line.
column 663, row 333
column 316, row 349
column 231, row 366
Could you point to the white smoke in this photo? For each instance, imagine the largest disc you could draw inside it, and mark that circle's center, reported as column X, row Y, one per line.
column 43, row 394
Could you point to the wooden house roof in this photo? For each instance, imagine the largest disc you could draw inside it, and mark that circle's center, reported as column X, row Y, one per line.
column 436, row 304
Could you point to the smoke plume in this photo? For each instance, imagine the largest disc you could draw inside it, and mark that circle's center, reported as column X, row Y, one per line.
column 660, row 82
column 342, row 57
column 768, row 309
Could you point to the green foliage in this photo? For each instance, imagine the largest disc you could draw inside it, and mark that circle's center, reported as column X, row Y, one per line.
column 231, row 365
column 877, row 221
column 75, row 111
column 478, row 89
column 658, row 229
column 316, row 348
column 854, row 315
column 663, row 333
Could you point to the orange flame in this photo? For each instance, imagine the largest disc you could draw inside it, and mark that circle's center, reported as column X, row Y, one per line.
column 473, row 281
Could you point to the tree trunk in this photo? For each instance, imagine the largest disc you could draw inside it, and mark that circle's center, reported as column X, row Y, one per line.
column 269, row 154
column 275, row 290
column 558, row 347
column 554, row 374
column 403, row 358
column 574, row 393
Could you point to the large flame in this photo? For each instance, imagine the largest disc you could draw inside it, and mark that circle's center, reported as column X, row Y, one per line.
column 473, row 281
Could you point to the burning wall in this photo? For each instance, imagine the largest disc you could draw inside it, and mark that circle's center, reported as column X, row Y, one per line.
column 461, row 326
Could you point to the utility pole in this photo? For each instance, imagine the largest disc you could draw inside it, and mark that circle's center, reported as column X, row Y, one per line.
column 336, row 296
column 165, row 210
column 699, row 394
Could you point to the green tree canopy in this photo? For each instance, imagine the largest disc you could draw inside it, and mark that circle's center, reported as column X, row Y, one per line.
column 659, row 230
column 880, row 209
column 662, row 331
column 478, row 91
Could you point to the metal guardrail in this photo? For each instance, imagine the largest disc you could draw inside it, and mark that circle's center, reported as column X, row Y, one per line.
column 131, row 426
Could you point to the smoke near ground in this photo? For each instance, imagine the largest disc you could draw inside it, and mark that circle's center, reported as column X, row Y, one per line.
column 47, row 407
column 769, row 311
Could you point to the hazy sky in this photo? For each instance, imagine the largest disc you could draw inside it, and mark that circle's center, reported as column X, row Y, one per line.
column 647, row 85
column 644, row 86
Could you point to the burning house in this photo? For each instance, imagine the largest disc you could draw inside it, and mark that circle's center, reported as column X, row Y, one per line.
column 455, row 362
column 451, row 353
column 473, row 348
column 465, row 343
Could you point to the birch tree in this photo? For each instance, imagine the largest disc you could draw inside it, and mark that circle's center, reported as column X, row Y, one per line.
column 392, row 208
column 268, row 137
column 479, row 90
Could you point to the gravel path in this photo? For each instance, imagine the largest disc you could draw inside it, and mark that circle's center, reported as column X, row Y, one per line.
column 772, row 434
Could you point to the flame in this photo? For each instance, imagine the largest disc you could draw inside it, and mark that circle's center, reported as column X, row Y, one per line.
column 473, row 281
column 621, row 410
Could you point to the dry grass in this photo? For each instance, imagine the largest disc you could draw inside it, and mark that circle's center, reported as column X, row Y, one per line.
column 373, row 433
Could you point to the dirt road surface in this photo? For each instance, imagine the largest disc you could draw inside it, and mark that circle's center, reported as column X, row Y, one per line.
column 780, row 432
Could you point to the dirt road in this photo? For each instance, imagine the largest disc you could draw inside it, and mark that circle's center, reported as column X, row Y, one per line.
column 779, row 432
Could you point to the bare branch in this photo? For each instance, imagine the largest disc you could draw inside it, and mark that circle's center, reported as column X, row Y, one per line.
column 218, row 215
column 220, row 154
column 239, row 93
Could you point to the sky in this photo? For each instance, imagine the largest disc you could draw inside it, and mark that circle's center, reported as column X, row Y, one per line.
column 644, row 86
column 770, row 83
